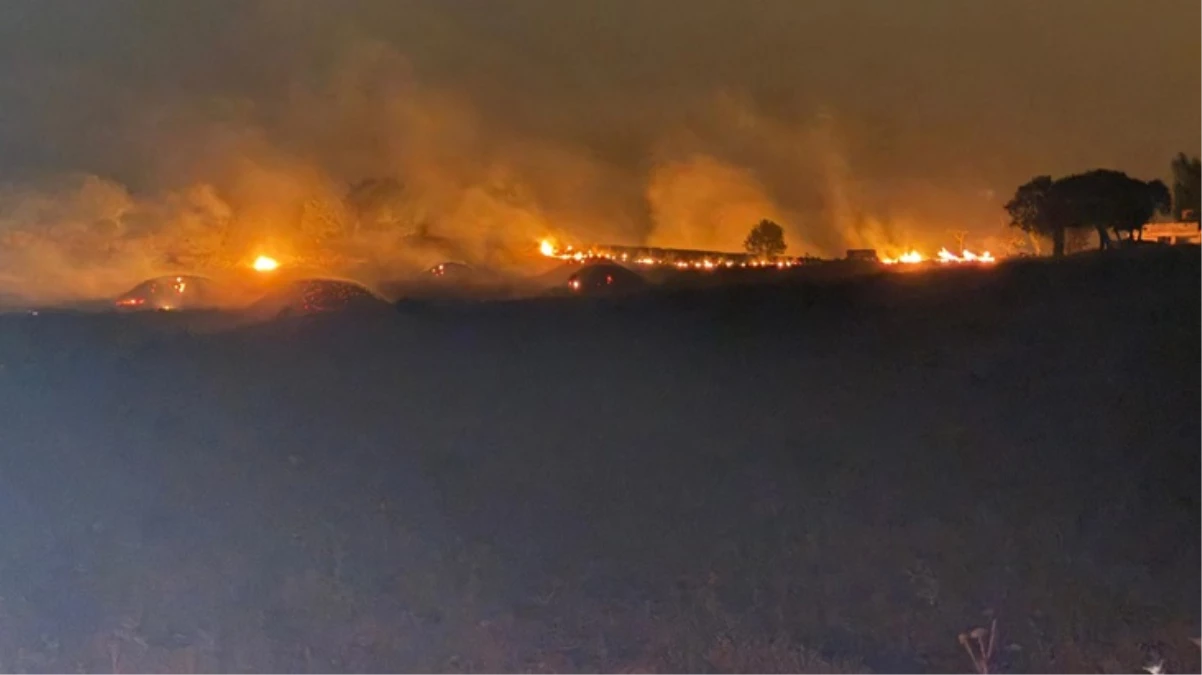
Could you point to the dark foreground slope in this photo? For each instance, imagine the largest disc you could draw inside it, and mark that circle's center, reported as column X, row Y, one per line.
column 788, row 477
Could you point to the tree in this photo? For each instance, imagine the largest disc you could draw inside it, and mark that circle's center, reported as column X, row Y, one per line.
column 1034, row 209
column 1107, row 200
column 766, row 239
column 1101, row 199
column 1187, row 186
column 1139, row 206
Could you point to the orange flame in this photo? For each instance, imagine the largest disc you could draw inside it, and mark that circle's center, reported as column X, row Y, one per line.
column 910, row 257
column 966, row 256
column 550, row 248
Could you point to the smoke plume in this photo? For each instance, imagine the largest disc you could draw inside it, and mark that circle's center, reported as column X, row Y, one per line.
column 375, row 138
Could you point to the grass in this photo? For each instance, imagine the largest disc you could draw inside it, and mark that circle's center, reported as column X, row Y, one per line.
column 839, row 476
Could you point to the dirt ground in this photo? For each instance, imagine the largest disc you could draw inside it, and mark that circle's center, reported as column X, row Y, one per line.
column 798, row 476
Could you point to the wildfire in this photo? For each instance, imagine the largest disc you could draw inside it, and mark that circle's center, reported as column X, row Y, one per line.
column 678, row 259
column 265, row 264
column 710, row 261
column 946, row 256
column 910, row 257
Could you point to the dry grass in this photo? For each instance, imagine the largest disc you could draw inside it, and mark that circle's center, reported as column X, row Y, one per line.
column 839, row 483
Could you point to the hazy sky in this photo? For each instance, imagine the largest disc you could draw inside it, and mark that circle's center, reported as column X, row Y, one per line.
column 628, row 119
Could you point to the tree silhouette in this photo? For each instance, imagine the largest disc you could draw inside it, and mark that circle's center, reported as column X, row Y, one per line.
column 1111, row 200
column 766, row 240
column 1101, row 199
column 1187, row 186
column 1035, row 210
column 1141, row 203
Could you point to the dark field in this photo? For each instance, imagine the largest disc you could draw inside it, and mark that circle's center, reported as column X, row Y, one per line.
column 819, row 476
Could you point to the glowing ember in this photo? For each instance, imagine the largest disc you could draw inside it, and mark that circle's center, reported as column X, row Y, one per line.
column 547, row 248
column 265, row 264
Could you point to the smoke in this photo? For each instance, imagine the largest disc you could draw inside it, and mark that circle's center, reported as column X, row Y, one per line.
column 373, row 173
column 703, row 203
column 367, row 173
column 385, row 138
column 83, row 236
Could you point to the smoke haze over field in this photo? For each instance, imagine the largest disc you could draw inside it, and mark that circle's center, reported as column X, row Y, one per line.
column 143, row 136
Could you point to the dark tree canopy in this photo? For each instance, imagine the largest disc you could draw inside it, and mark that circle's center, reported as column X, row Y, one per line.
column 1141, row 203
column 1187, row 187
column 766, row 239
column 1033, row 210
column 1029, row 209
column 1111, row 200
column 1102, row 199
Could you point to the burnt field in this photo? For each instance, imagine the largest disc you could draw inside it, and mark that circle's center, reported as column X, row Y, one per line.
column 797, row 476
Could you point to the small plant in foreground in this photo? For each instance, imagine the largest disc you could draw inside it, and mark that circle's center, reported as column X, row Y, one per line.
column 979, row 644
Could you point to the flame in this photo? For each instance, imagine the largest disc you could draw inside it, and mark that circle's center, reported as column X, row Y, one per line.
column 549, row 248
column 944, row 256
column 966, row 256
column 265, row 264
column 910, row 257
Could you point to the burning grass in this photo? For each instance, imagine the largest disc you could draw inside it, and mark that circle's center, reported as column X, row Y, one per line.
column 913, row 257
column 679, row 259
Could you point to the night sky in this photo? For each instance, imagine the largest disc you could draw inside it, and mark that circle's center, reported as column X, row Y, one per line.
column 851, row 122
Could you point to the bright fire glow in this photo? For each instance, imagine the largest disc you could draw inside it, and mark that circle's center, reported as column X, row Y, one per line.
column 265, row 264
column 910, row 257
column 549, row 248
column 946, row 256
column 685, row 260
